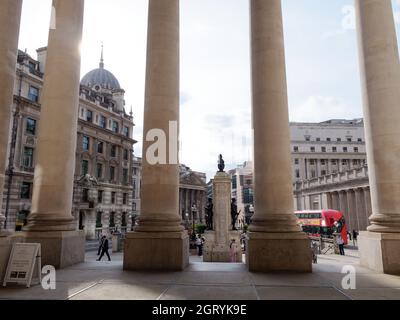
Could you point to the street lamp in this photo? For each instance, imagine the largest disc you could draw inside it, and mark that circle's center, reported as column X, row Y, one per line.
column 194, row 210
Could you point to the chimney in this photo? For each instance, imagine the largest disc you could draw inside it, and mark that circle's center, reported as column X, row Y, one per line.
column 41, row 56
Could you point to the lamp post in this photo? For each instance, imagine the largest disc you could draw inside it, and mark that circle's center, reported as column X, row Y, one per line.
column 194, row 210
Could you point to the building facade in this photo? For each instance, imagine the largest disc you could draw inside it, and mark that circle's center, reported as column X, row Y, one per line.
column 325, row 148
column 102, row 198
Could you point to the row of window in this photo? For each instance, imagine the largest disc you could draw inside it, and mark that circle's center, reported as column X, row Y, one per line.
column 324, row 149
column 102, row 122
column 99, row 223
column 100, row 172
column 100, row 148
column 100, row 196
column 348, row 139
column 356, row 162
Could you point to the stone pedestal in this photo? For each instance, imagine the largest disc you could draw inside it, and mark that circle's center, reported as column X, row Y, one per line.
column 275, row 252
column 60, row 249
column 166, row 251
column 380, row 251
column 217, row 245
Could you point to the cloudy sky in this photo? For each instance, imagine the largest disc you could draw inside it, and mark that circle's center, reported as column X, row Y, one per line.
column 321, row 54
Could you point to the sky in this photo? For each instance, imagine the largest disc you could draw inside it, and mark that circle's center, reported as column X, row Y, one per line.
column 321, row 57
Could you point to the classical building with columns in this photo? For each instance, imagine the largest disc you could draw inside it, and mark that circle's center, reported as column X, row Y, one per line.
column 192, row 194
column 102, row 186
column 329, row 147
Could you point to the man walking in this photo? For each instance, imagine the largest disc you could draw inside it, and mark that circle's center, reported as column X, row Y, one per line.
column 101, row 244
column 340, row 243
column 104, row 250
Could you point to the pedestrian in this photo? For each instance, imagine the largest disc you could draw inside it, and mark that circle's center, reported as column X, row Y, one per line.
column 233, row 249
column 199, row 244
column 355, row 237
column 101, row 244
column 315, row 251
column 104, row 249
column 340, row 243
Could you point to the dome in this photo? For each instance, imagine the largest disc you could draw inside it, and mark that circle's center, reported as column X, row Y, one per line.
column 101, row 77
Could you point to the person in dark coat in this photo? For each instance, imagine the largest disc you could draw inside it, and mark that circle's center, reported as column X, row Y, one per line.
column 104, row 250
column 100, row 245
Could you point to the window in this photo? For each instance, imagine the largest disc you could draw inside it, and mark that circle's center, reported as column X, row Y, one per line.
column 28, row 157
column 356, row 162
column 103, row 122
column 31, row 126
column 135, row 171
column 323, row 172
column 100, row 196
column 125, row 176
column 312, row 162
column 339, row 140
column 296, row 149
column 134, row 184
column 296, row 161
column 345, row 149
column 334, row 149
column 313, row 174
column 113, row 194
column 356, row 149
column 100, row 147
column 126, row 154
column 125, row 198
column 99, row 171
column 26, row 190
column 334, row 162
column 112, row 173
column 297, row 173
column 322, row 162
column 89, row 116
column 33, row 94
column 98, row 220
column 126, row 131
column 115, row 127
column 134, row 206
column 344, row 162
column 123, row 219
column 323, row 149
column 85, row 167
column 85, row 195
column 112, row 220
column 312, row 149
column 360, row 140
column 32, row 67
column 113, row 151
column 308, row 138
column 328, row 139
column 349, row 139
column 85, row 143
column 318, row 139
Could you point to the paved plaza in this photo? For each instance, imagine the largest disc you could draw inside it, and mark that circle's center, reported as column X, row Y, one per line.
column 94, row 280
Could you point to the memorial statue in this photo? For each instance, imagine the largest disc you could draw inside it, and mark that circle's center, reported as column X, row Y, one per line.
column 234, row 214
column 221, row 164
column 210, row 214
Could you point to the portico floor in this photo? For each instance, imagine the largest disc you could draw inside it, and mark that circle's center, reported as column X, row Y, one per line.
column 94, row 280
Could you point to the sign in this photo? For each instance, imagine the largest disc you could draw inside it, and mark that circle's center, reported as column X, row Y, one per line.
column 24, row 260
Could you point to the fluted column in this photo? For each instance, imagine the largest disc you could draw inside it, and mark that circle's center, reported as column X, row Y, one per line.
column 10, row 16
column 380, row 75
column 55, row 162
column 160, row 238
column 274, row 222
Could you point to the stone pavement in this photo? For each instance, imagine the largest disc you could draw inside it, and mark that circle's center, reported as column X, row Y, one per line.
column 105, row 280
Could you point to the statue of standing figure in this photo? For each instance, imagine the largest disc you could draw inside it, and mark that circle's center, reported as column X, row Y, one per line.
column 221, row 163
column 210, row 214
column 234, row 214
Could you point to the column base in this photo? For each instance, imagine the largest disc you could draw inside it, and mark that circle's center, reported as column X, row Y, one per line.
column 214, row 252
column 162, row 251
column 271, row 252
column 60, row 249
column 380, row 251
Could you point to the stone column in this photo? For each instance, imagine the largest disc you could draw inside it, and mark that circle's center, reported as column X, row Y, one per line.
column 10, row 16
column 51, row 221
column 352, row 212
column 360, row 205
column 276, row 241
column 160, row 242
column 380, row 75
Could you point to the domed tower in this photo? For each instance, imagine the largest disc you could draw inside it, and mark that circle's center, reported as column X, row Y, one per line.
column 103, row 81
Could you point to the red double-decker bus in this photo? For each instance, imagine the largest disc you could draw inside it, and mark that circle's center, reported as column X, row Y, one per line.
column 323, row 223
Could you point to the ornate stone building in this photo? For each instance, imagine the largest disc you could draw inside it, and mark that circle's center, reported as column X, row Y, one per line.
column 102, row 198
column 192, row 195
